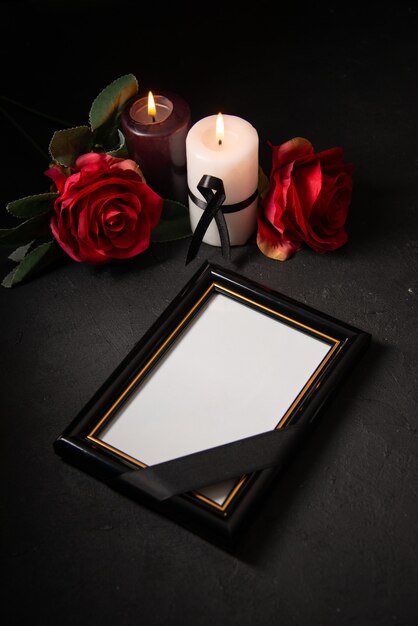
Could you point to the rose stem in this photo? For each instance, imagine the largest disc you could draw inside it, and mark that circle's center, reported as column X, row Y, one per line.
column 24, row 133
column 35, row 112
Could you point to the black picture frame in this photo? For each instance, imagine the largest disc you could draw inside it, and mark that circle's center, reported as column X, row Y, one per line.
column 332, row 348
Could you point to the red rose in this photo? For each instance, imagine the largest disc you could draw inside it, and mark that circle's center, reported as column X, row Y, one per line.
column 307, row 201
column 104, row 209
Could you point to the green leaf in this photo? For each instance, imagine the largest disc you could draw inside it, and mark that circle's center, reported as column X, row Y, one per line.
column 263, row 183
column 174, row 223
column 31, row 205
column 120, row 153
column 34, row 262
column 121, row 150
column 106, row 139
column 8, row 279
column 108, row 105
column 19, row 254
column 25, row 232
column 68, row 144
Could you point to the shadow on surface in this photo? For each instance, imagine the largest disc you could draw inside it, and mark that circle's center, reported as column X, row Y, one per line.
column 377, row 221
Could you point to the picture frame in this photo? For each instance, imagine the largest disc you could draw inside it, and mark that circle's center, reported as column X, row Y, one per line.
column 226, row 371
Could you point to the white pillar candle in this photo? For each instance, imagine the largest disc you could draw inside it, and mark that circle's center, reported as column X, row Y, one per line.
column 234, row 159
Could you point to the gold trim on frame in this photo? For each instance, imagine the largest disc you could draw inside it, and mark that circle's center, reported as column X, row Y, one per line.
column 220, row 288
column 148, row 365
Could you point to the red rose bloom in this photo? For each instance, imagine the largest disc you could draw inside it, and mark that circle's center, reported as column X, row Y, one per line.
column 307, row 201
column 104, row 209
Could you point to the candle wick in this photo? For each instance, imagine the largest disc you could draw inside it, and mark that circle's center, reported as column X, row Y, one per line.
column 153, row 118
column 219, row 142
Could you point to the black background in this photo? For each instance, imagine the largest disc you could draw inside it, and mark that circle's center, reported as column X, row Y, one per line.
column 336, row 540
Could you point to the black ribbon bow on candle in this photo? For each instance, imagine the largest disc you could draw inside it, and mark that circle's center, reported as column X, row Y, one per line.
column 212, row 189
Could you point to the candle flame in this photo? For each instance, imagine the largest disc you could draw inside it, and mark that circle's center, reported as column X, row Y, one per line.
column 220, row 129
column 152, row 111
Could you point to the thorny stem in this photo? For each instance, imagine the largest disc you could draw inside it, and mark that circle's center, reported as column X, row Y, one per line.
column 36, row 112
column 24, row 133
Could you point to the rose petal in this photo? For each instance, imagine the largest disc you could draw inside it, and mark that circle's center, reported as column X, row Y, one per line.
column 290, row 151
column 58, row 176
column 307, row 179
column 141, row 243
column 279, row 250
column 272, row 242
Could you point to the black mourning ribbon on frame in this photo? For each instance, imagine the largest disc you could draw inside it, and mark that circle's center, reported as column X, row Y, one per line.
column 212, row 189
column 212, row 466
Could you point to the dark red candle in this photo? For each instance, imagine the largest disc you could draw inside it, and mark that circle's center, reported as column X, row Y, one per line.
column 156, row 140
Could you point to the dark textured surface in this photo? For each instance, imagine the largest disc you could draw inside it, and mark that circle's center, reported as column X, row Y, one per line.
column 336, row 540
